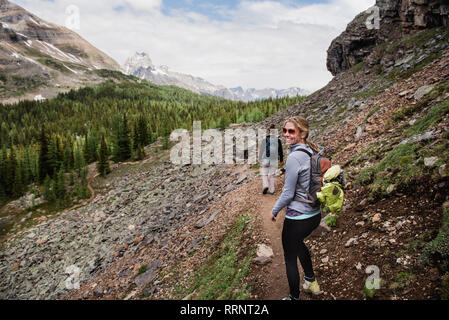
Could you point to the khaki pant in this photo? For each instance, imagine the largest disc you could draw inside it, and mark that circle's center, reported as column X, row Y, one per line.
column 267, row 171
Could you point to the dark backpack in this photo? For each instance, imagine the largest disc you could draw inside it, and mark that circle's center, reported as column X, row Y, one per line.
column 318, row 167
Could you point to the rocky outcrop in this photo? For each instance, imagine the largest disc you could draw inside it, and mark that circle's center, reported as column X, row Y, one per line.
column 396, row 18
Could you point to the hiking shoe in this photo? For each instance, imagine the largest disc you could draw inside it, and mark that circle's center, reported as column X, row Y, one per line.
column 265, row 190
column 289, row 297
column 312, row 287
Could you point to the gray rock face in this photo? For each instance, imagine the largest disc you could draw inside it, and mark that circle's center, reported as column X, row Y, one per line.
column 354, row 44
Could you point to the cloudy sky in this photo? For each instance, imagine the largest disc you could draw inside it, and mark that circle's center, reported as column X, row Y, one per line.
column 248, row 43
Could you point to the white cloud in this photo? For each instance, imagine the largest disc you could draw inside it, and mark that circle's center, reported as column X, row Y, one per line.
column 260, row 44
column 145, row 4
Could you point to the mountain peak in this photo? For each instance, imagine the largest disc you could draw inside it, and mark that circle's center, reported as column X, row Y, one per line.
column 41, row 52
column 138, row 60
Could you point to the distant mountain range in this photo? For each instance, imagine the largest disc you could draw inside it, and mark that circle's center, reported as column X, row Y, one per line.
column 140, row 65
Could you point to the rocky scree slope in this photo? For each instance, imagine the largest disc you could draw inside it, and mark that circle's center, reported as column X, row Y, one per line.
column 144, row 207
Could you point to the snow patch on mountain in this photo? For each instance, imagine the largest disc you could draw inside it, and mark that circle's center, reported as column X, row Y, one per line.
column 141, row 66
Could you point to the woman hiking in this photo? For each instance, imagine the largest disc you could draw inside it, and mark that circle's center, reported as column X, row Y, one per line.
column 300, row 218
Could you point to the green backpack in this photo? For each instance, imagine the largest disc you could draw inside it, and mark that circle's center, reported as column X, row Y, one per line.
column 331, row 195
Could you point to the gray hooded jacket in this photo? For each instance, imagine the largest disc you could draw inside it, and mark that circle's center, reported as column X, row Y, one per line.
column 297, row 169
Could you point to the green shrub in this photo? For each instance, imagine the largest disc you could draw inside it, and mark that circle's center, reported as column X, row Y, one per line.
column 437, row 250
column 369, row 293
column 430, row 118
column 395, row 168
column 142, row 269
column 54, row 65
column 373, row 111
column 359, row 66
column 331, row 221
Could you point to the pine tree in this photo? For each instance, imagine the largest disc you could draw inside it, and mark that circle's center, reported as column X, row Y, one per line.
column 141, row 136
column 53, row 156
column 68, row 157
column 103, row 162
column 2, row 174
column 140, row 154
column 18, row 187
column 115, row 138
column 60, row 190
column 44, row 168
column 86, row 152
column 72, row 178
column 124, row 141
column 78, row 160
column 49, row 192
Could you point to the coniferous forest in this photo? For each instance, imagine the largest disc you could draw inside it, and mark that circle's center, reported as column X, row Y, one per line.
column 49, row 144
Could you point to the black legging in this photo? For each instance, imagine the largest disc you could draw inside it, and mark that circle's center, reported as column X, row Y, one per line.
column 293, row 234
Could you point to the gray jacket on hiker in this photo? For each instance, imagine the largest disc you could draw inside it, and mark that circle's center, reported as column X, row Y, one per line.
column 297, row 169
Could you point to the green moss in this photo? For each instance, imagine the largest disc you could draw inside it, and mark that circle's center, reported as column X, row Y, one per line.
column 331, row 221
column 370, row 292
column 359, row 66
column 395, row 168
column 363, row 95
column 430, row 118
column 418, row 39
column 373, row 111
column 142, row 269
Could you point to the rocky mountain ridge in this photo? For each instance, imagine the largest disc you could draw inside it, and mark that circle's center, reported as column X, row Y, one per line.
column 141, row 66
column 37, row 54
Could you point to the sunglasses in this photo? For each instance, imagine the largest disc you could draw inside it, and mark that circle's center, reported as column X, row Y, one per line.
column 291, row 131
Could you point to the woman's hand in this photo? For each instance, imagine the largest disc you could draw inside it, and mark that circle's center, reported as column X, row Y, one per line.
column 273, row 217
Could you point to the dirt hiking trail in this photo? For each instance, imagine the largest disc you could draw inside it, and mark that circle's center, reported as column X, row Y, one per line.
column 276, row 279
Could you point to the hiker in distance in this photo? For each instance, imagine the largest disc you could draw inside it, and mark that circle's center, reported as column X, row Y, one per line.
column 270, row 152
column 300, row 218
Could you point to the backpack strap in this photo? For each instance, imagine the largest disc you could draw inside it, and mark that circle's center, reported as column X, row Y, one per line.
column 299, row 185
column 303, row 150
